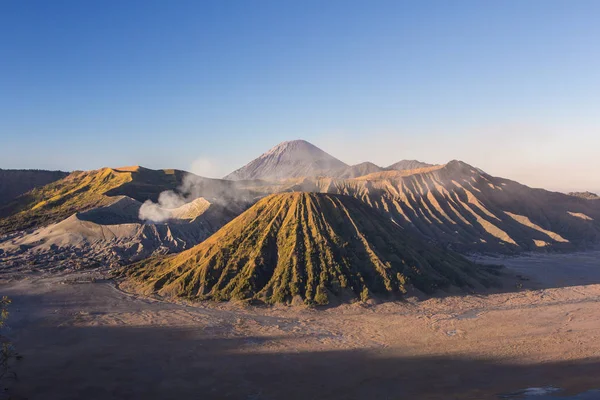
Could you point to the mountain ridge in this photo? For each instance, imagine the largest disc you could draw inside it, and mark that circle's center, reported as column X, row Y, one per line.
column 112, row 235
column 299, row 158
column 463, row 207
column 16, row 182
column 408, row 164
column 85, row 190
column 310, row 245
column 357, row 170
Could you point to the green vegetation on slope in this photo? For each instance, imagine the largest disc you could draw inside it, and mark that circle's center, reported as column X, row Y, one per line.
column 305, row 245
column 585, row 195
column 81, row 191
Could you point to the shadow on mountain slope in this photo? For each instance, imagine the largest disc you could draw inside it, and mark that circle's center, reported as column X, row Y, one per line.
column 15, row 182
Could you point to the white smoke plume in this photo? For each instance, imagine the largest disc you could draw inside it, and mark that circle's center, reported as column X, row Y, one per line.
column 161, row 211
column 192, row 187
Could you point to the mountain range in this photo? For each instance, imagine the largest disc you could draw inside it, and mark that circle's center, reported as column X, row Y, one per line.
column 295, row 223
column 301, row 159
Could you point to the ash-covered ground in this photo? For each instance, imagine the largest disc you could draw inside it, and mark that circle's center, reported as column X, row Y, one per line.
column 82, row 337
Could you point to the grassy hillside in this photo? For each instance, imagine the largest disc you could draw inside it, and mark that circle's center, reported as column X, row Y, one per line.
column 81, row 191
column 585, row 195
column 305, row 245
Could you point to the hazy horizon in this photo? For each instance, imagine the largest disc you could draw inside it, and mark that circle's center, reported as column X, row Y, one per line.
column 511, row 88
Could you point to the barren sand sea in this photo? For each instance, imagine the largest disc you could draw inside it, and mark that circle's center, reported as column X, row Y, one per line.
column 90, row 340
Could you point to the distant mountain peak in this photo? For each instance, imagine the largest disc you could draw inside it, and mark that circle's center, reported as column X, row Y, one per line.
column 298, row 145
column 290, row 159
column 404, row 165
column 295, row 142
column 366, row 164
column 355, row 171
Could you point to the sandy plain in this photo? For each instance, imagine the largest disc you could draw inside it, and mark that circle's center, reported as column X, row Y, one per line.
column 82, row 337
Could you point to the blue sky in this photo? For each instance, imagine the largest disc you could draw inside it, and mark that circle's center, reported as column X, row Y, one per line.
column 512, row 87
